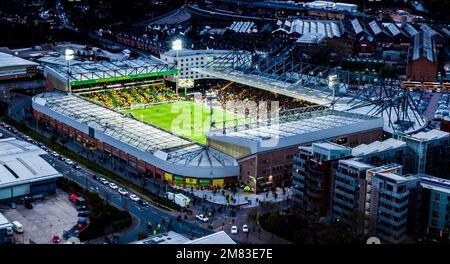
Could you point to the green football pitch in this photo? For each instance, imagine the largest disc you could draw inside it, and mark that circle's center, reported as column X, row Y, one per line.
column 184, row 118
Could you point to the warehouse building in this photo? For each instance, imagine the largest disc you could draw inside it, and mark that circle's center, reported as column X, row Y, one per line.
column 23, row 171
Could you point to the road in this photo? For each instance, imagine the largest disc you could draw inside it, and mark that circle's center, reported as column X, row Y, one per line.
column 144, row 214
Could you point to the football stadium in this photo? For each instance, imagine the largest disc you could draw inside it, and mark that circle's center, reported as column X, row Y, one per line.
column 127, row 111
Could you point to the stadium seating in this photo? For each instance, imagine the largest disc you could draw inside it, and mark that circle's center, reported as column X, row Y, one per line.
column 132, row 96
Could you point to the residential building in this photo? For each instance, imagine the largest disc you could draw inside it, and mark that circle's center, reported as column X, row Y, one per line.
column 312, row 177
column 392, row 205
column 436, row 206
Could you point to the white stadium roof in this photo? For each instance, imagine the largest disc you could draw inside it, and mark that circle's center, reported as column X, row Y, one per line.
column 301, row 128
column 142, row 140
column 20, row 163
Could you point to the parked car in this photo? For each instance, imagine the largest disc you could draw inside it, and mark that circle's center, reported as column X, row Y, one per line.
column 83, row 213
column 68, row 162
column 134, row 197
column 202, row 218
column 13, row 205
column 234, row 230
column 113, row 186
column 95, row 177
column 122, row 191
column 104, row 182
column 245, row 228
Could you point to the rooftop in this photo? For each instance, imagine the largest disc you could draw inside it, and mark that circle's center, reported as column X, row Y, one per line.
column 175, row 238
column 435, row 183
column 20, row 163
column 433, row 134
column 8, row 60
column 355, row 164
column 3, row 221
column 216, row 238
column 167, row 238
column 423, row 46
column 377, row 146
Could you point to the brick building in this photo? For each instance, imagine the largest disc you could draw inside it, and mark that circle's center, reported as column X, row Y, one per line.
column 422, row 60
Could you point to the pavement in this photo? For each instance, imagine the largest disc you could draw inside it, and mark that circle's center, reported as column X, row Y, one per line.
column 240, row 198
column 51, row 216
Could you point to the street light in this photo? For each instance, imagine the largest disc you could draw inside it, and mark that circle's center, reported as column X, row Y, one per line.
column 177, row 45
column 68, row 56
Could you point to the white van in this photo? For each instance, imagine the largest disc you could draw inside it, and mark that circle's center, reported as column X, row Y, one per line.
column 18, row 227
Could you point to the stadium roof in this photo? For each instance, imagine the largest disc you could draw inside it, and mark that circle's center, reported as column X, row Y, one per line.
column 20, row 163
column 86, row 72
column 189, row 52
column 129, row 134
column 8, row 60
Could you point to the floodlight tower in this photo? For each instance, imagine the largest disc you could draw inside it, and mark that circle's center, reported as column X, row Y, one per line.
column 68, row 56
column 177, row 45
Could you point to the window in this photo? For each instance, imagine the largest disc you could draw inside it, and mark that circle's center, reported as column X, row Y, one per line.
column 389, row 187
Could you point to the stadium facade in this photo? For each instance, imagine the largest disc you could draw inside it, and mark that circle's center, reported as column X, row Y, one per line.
column 150, row 150
column 257, row 156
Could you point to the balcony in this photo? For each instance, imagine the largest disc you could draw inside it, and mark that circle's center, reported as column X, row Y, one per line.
column 392, row 221
column 345, row 185
column 347, row 195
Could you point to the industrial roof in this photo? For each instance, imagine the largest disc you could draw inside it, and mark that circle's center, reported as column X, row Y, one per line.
column 423, row 46
column 377, row 146
column 20, row 163
column 8, row 60
column 134, row 133
column 327, row 28
column 330, row 146
column 410, row 30
column 243, row 27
